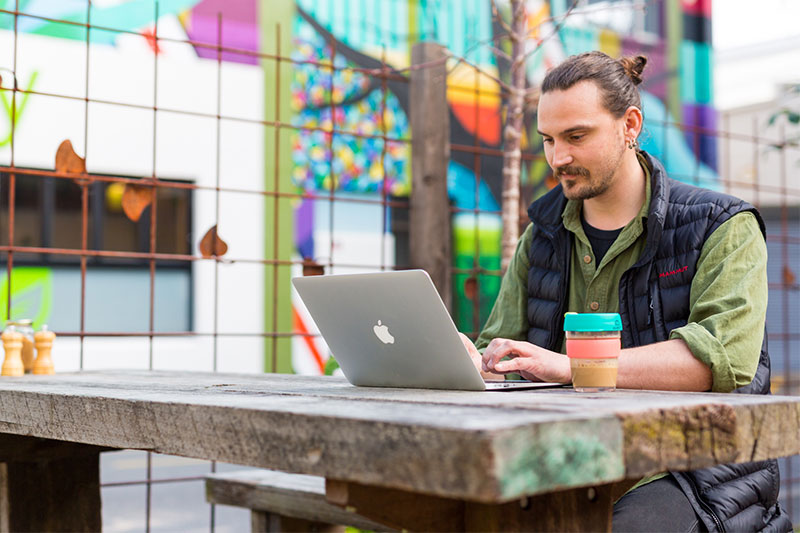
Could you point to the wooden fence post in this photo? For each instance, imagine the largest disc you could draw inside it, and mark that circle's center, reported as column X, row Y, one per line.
column 429, row 225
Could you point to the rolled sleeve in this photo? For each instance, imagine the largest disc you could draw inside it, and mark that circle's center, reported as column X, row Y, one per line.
column 728, row 302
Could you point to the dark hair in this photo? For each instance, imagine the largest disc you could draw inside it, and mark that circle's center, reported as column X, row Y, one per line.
column 616, row 78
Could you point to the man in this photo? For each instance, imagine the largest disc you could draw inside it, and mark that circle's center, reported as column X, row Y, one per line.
column 685, row 267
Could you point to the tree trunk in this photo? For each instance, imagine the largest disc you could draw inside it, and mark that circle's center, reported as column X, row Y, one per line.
column 512, row 133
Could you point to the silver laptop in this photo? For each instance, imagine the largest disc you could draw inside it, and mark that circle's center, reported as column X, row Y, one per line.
column 391, row 329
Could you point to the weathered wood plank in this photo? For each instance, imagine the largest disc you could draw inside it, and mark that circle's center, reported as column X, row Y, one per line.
column 21, row 448
column 697, row 437
column 58, row 494
column 281, row 494
column 586, row 509
column 479, row 446
column 398, row 509
column 440, row 449
column 429, row 216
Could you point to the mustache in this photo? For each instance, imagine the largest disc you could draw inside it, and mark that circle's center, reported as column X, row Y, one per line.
column 573, row 171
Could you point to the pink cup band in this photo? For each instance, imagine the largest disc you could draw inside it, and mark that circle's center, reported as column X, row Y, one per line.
column 593, row 348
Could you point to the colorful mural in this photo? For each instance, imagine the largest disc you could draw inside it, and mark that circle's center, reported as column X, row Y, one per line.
column 362, row 33
column 354, row 103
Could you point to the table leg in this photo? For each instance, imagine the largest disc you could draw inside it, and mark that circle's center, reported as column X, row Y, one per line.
column 584, row 509
column 48, row 485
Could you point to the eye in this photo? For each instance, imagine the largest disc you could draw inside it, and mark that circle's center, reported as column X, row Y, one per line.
column 576, row 138
column 547, row 140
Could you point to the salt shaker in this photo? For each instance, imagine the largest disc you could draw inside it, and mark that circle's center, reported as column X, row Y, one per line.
column 25, row 326
column 12, row 344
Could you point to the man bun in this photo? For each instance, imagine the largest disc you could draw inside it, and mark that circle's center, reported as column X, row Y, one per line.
column 633, row 67
column 616, row 78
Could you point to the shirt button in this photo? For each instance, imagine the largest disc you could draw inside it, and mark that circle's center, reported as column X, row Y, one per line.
column 587, row 259
column 594, row 306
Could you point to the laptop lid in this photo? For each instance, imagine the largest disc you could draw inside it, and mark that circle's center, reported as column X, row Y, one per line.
column 389, row 329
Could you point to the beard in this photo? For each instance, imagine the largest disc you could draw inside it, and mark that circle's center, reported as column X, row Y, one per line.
column 586, row 185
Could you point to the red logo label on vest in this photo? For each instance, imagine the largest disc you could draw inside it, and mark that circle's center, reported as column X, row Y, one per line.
column 671, row 272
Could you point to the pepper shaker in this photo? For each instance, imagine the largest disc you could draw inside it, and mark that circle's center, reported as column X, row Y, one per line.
column 44, row 346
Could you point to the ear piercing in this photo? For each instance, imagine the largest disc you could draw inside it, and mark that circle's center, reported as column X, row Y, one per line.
column 633, row 143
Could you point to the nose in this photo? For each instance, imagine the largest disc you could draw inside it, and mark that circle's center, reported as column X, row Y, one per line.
column 560, row 155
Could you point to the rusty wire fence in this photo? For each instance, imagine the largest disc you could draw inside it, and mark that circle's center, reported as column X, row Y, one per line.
column 60, row 217
column 153, row 229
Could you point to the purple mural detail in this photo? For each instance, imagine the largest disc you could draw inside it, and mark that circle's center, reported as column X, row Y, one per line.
column 239, row 28
column 304, row 228
column 704, row 146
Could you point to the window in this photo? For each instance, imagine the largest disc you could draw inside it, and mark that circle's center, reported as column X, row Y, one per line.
column 48, row 214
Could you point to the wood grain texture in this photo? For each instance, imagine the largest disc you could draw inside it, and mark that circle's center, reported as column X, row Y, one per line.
column 429, row 216
column 281, row 494
column 61, row 494
column 477, row 446
column 585, row 509
column 399, row 509
column 30, row 449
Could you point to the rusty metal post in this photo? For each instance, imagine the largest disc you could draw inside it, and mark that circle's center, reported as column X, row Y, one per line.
column 429, row 219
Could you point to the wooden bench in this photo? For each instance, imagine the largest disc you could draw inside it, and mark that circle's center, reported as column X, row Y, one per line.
column 283, row 502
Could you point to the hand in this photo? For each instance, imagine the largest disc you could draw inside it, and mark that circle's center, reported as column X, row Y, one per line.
column 528, row 360
column 475, row 355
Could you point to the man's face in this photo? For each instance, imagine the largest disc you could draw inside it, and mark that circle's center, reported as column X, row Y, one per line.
column 583, row 142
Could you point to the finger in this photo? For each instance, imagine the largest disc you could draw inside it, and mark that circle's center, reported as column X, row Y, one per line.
column 508, row 366
column 497, row 350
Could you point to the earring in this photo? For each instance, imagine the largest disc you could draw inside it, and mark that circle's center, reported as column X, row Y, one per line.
column 633, row 143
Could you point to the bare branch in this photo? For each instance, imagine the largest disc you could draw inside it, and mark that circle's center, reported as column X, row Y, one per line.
column 641, row 5
column 553, row 33
column 520, row 11
column 492, row 77
column 499, row 17
column 500, row 53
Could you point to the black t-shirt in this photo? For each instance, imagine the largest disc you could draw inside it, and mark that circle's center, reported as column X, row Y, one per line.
column 601, row 240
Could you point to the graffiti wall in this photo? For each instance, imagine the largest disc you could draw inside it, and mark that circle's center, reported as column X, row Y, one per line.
column 360, row 34
column 364, row 33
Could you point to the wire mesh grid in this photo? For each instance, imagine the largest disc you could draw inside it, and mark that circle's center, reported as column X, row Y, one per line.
column 777, row 197
column 153, row 183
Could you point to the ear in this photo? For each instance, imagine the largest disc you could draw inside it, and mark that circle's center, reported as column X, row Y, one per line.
column 632, row 119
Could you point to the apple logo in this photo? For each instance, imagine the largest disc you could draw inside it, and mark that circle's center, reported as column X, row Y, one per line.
column 382, row 332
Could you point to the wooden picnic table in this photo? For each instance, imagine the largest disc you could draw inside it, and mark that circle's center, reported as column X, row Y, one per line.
column 414, row 459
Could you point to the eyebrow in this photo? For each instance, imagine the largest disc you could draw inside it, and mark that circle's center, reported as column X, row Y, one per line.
column 573, row 129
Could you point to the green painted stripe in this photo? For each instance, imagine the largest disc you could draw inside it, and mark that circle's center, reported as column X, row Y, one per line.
column 674, row 38
column 271, row 14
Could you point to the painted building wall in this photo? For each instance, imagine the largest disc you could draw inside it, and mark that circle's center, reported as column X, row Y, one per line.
column 360, row 33
column 128, row 141
column 675, row 36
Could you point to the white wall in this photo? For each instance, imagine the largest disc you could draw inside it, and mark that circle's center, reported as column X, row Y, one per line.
column 756, row 56
column 121, row 141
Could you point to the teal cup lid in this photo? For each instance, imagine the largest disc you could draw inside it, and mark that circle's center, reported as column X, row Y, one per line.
column 592, row 322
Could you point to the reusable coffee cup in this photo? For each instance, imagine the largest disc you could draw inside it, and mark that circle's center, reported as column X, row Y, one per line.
column 593, row 345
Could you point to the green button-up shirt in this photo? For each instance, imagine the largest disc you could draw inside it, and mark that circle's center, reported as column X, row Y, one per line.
column 728, row 297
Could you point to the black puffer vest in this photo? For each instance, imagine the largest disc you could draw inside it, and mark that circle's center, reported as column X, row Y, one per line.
column 733, row 497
